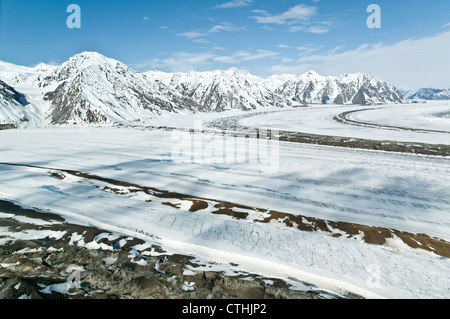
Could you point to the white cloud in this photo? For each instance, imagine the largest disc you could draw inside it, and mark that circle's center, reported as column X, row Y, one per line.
column 224, row 27
column 412, row 63
column 50, row 62
column 192, row 34
column 446, row 25
column 308, row 49
column 181, row 61
column 199, row 36
column 200, row 40
column 263, row 12
column 187, row 61
column 242, row 56
column 298, row 13
column 301, row 18
column 234, row 4
column 338, row 48
column 317, row 29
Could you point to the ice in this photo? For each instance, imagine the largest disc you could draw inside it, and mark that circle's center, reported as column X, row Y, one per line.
column 76, row 240
column 319, row 120
column 188, row 272
column 110, row 260
column 62, row 288
column 30, row 234
column 188, row 286
column 406, row 192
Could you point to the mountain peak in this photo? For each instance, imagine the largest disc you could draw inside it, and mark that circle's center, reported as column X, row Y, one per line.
column 234, row 71
column 311, row 75
column 312, row 72
column 89, row 55
column 92, row 88
column 429, row 94
column 43, row 67
column 83, row 61
column 352, row 77
column 87, row 58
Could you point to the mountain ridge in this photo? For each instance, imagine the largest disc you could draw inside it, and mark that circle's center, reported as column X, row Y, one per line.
column 91, row 88
column 429, row 94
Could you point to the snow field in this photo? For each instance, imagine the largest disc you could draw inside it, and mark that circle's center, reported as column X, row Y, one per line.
column 406, row 192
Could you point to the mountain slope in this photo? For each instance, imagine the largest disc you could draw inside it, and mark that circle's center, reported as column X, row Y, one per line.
column 91, row 88
column 233, row 89
column 94, row 89
column 25, row 80
column 358, row 88
column 8, row 95
column 430, row 94
column 217, row 91
column 12, row 104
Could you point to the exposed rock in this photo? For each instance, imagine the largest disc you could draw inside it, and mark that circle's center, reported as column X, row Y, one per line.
column 42, row 268
column 14, row 288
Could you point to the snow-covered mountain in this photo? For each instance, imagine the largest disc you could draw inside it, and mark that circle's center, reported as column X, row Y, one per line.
column 234, row 89
column 357, row 88
column 217, row 91
column 429, row 94
column 275, row 81
column 91, row 88
column 31, row 108
column 8, row 95
column 12, row 103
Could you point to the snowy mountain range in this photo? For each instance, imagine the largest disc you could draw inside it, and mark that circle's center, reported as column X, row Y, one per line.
column 357, row 88
column 217, row 91
column 10, row 97
column 91, row 88
column 429, row 94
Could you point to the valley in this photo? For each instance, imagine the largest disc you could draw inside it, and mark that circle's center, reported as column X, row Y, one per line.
column 219, row 185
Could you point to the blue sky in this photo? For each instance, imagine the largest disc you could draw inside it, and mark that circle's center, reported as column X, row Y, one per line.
column 262, row 36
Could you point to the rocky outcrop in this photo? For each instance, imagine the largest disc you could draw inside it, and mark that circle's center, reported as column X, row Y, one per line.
column 115, row 266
